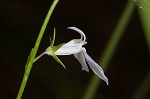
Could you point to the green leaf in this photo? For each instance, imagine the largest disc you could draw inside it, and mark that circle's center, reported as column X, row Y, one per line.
column 53, row 39
column 58, row 60
column 50, row 40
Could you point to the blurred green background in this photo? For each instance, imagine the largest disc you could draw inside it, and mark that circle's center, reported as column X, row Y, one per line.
column 20, row 22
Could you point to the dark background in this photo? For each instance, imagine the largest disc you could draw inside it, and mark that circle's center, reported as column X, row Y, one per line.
column 20, row 23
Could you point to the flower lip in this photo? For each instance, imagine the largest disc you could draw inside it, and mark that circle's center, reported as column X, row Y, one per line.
column 83, row 37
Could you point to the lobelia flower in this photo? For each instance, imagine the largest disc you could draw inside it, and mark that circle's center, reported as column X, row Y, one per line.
column 75, row 47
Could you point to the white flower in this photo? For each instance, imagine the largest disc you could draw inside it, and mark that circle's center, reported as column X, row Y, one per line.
column 75, row 47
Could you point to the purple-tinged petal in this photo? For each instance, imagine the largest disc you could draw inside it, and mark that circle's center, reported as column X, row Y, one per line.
column 95, row 67
column 80, row 57
column 72, row 47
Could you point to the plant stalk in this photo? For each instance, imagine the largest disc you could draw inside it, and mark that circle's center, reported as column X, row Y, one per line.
column 35, row 49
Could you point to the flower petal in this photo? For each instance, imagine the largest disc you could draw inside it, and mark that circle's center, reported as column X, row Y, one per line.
column 95, row 67
column 69, row 48
column 83, row 37
column 80, row 57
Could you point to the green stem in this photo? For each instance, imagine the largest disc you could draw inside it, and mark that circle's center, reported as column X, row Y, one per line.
column 33, row 53
column 110, row 49
column 39, row 56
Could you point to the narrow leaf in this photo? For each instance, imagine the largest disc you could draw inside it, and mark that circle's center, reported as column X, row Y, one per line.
column 50, row 39
column 53, row 39
column 58, row 60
